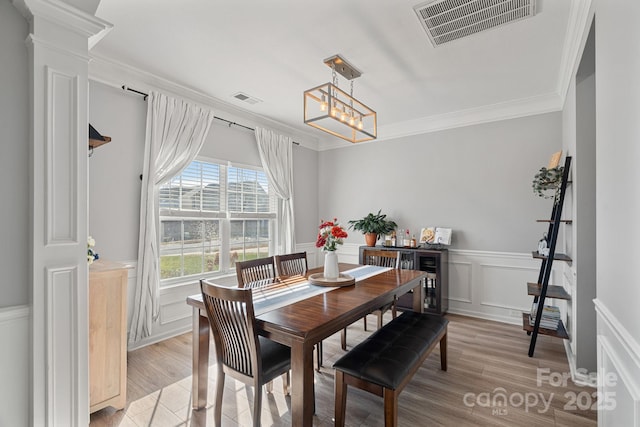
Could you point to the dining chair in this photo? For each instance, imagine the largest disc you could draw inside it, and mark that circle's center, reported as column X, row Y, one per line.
column 381, row 259
column 291, row 264
column 240, row 351
column 296, row 264
column 256, row 273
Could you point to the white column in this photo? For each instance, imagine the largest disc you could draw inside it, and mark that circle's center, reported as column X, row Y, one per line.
column 58, row 46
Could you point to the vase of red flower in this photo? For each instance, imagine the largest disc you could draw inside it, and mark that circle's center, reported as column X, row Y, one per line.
column 330, row 235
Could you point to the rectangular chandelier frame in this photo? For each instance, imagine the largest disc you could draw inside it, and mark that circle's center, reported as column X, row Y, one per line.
column 330, row 109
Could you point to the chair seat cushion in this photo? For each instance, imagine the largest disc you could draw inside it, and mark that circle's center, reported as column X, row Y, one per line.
column 276, row 358
column 387, row 356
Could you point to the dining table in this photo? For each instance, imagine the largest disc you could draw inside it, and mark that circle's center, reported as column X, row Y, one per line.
column 298, row 314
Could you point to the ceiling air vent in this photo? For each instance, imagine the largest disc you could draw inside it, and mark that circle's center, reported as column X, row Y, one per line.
column 448, row 20
column 246, row 98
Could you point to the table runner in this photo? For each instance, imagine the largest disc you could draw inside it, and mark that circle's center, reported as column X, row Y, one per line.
column 277, row 296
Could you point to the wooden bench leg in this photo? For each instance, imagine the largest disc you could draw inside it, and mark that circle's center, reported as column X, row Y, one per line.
column 443, row 352
column 341, row 398
column 390, row 408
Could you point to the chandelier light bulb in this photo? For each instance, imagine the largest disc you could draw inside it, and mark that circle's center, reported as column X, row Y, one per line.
column 352, row 120
column 323, row 103
column 360, row 123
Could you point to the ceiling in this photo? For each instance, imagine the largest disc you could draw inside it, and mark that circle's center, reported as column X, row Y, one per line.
column 274, row 51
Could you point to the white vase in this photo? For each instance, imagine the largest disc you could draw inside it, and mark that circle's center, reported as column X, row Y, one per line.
column 331, row 265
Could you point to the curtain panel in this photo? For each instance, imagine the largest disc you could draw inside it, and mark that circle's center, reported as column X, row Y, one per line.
column 276, row 155
column 175, row 132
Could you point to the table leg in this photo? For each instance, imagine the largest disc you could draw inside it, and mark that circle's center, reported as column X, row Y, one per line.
column 418, row 298
column 302, row 395
column 200, row 354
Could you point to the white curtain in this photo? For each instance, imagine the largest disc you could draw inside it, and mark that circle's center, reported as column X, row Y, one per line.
column 276, row 155
column 175, row 133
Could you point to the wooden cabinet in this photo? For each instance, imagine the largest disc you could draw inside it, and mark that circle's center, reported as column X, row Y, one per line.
column 107, row 335
column 436, row 286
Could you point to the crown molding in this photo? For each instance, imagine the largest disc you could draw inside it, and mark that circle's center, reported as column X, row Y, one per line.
column 65, row 15
column 582, row 12
column 111, row 72
column 490, row 113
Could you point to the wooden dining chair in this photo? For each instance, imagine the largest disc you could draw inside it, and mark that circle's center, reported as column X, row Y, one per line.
column 256, row 273
column 381, row 259
column 296, row 264
column 291, row 264
column 240, row 351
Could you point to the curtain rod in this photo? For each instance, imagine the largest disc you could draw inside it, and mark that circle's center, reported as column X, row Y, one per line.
column 145, row 95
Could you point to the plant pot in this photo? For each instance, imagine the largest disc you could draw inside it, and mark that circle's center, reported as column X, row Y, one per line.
column 370, row 238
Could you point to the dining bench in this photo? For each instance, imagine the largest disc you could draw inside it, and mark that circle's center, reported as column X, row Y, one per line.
column 385, row 362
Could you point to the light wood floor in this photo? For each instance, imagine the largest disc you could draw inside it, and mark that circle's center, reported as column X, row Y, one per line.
column 490, row 382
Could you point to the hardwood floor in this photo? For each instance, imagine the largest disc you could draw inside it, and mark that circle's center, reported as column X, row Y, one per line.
column 490, row 382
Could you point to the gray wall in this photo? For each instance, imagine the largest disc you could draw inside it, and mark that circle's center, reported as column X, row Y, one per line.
column 584, row 186
column 115, row 168
column 618, row 156
column 14, row 161
column 475, row 180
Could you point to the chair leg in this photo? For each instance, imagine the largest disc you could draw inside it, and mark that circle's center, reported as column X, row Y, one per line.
column 365, row 322
column 390, row 408
column 319, row 355
column 257, row 404
column 217, row 412
column 394, row 309
column 286, row 380
column 379, row 315
column 443, row 353
column 340, row 398
column 270, row 387
column 343, row 339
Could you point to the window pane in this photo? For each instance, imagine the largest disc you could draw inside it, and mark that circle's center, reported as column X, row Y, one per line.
column 248, row 190
column 171, row 264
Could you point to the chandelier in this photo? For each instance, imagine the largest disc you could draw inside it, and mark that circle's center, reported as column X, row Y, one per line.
column 330, row 109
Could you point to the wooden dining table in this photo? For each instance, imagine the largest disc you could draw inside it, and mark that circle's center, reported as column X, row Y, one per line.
column 302, row 323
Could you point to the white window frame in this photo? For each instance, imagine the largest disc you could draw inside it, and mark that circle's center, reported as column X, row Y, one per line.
column 224, row 217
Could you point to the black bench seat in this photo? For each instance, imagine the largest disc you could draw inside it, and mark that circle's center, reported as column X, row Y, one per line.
column 386, row 361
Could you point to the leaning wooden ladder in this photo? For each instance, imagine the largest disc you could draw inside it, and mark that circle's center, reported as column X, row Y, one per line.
column 542, row 289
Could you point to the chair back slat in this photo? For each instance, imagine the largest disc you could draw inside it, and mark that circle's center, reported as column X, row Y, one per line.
column 232, row 319
column 292, row 264
column 255, row 273
column 381, row 258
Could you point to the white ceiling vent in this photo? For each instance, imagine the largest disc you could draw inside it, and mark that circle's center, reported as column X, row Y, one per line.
column 246, row 98
column 448, row 20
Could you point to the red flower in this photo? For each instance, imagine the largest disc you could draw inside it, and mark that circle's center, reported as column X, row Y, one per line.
column 330, row 235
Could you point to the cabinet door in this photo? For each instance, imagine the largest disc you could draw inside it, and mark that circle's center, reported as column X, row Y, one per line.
column 107, row 339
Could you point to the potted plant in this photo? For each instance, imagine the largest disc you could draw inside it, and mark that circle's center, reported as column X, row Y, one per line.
column 548, row 180
column 373, row 226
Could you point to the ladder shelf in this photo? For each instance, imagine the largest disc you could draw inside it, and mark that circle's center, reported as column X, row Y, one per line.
column 541, row 290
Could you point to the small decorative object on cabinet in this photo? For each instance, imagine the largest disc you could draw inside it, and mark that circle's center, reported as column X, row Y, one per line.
column 107, row 335
column 544, row 319
column 436, row 285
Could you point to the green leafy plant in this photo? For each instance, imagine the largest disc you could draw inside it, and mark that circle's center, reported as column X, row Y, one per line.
column 373, row 223
column 547, row 180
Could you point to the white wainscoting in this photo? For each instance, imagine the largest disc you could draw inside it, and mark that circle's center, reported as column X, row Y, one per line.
column 618, row 371
column 492, row 285
column 14, row 366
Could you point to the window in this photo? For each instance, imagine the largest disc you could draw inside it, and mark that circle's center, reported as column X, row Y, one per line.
column 206, row 227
